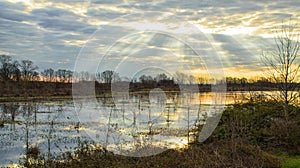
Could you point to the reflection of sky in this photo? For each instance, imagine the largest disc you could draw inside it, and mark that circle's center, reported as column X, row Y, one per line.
column 51, row 33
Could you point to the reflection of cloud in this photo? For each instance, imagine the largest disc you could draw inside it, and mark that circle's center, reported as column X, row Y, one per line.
column 55, row 30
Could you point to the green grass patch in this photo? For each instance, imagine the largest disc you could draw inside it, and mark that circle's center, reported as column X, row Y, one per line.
column 291, row 162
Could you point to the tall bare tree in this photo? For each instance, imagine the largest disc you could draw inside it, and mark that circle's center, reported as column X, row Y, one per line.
column 28, row 70
column 282, row 62
column 9, row 69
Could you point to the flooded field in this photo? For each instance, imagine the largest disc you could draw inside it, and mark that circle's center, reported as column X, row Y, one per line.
column 122, row 125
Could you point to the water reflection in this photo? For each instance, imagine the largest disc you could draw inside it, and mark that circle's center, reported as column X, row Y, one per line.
column 133, row 122
column 126, row 124
column 41, row 124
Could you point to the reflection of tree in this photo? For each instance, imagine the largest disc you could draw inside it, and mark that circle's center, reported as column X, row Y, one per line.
column 12, row 110
column 49, row 138
column 26, row 109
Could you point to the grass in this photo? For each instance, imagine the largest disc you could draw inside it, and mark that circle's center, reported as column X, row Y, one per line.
column 215, row 154
column 291, row 162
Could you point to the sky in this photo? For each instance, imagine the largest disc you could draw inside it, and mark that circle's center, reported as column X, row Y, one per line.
column 132, row 37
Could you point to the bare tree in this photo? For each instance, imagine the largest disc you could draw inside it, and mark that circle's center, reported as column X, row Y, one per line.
column 9, row 70
column 28, row 70
column 48, row 74
column 107, row 76
column 281, row 62
column 15, row 73
column 200, row 80
column 69, row 75
column 146, row 79
column 61, row 75
column 161, row 77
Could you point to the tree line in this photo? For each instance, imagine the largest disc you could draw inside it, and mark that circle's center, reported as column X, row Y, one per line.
column 17, row 71
column 26, row 70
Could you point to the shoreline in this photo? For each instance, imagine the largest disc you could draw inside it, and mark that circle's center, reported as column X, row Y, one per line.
column 41, row 98
column 50, row 91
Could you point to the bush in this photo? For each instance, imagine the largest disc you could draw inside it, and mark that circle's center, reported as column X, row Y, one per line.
column 262, row 123
column 215, row 154
column 33, row 152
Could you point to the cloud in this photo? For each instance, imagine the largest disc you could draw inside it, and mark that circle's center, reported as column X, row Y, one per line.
column 13, row 12
column 66, row 25
column 236, row 53
column 104, row 14
column 52, row 33
column 115, row 2
column 10, row 6
column 51, row 12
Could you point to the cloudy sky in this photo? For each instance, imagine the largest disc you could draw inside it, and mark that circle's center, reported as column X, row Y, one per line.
column 133, row 36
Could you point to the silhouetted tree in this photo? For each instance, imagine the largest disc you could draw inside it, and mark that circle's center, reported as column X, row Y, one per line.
column 28, row 70
column 69, row 75
column 15, row 72
column 161, row 77
column 244, row 81
column 48, row 74
column 4, row 61
column 9, row 70
column 200, row 80
column 146, row 79
column 61, row 75
column 107, row 76
column 281, row 62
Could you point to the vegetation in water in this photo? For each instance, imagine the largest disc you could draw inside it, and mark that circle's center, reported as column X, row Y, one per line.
column 252, row 134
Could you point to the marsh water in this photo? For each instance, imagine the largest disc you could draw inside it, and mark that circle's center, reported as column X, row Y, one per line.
column 118, row 124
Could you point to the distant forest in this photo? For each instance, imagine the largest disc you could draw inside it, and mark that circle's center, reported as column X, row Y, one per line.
column 24, row 78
